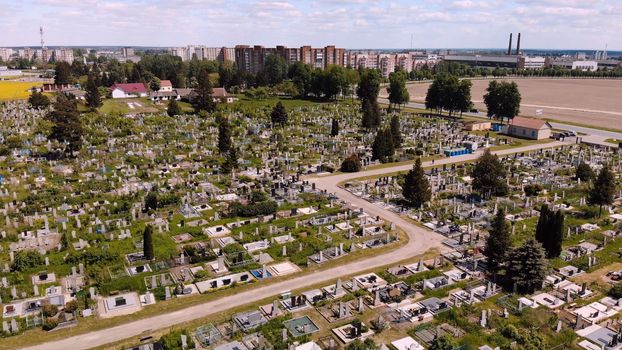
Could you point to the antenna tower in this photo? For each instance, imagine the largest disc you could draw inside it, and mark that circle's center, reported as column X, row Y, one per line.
column 41, row 34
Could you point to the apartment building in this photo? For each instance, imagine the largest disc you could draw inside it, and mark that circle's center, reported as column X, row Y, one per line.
column 5, row 54
column 63, row 55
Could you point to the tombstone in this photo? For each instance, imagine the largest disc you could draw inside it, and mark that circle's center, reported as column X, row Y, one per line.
column 47, row 261
column 264, row 272
column 355, row 285
column 520, row 305
column 377, row 298
column 167, row 293
column 338, row 287
column 182, row 259
column 184, row 342
column 14, row 326
column 284, row 253
column 153, row 282
column 221, row 263
column 559, row 326
column 5, row 327
column 14, row 292
column 35, row 290
column 73, row 271
column 482, row 321
column 275, row 308
column 92, row 292
column 361, row 307
column 284, row 335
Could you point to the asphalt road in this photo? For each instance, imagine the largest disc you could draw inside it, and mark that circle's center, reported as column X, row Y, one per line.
column 420, row 241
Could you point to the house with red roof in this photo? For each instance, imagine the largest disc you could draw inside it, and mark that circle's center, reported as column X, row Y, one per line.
column 529, row 128
column 130, row 90
column 166, row 86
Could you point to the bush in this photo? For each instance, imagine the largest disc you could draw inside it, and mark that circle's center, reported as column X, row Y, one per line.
column 615, row 291
column 71, row 306
column 49, row 310
column 254, row 209
column 532, row 190
column 352, row 164
column 26, row 259
column 50, row 324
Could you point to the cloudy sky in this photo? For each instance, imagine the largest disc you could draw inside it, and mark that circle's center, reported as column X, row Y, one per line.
column 556, row 24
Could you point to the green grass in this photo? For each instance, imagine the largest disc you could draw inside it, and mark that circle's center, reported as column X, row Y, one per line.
column 120, row 106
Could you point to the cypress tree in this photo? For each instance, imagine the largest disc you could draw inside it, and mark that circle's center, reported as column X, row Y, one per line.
column 396, row 131
column 148, row 243
column 334, row 128
column 93, row 98
column 498, row 242
column 279, row 114
column 416, row 189
column 383, row 148
column 224, row 135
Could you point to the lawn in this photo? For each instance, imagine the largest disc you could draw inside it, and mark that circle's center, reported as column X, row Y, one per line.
column 122, row 106
column 14, row 90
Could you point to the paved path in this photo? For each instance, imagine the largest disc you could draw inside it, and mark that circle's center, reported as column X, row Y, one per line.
column 420, row 241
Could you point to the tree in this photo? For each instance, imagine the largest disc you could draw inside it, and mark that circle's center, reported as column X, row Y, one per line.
column 352, row 164
column 62, row 73
column 489, row 176
column 300, row 74
column 66, row 124
column 396, row 131
column 550, row 231
column 603, row 189
column 398, row 94
column 367, row 91
column 383, row 148
column 334, row 128
column 334, row 81
column 64, row 241
column 275, row 69
column 527, row 267
column 173, row 108
column 203, row 100
column 279, row 114
column 224, row 134
column 371, row 114
column 502, row 100
column 416, row 189
column 38, row 100
column 155, row 84
column 151, row 201
column 584, row 172
column 148, row 242
column 498, row 242
column 93, row 98
column 231, row 161
column 443, row 342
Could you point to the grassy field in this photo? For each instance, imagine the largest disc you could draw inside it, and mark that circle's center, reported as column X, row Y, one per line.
column 122, row 106
column 13, row 90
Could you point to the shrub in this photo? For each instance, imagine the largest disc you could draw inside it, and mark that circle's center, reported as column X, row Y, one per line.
column 352, row 164
column 50, row 324
column 49, row 310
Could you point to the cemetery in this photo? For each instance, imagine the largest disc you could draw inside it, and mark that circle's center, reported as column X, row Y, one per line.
column 151, row 213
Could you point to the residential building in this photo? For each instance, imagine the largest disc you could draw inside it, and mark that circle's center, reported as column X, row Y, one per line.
column 5, row 54
column 63, row 55
column 27, row 53
column 127, row 51
column 166, row 86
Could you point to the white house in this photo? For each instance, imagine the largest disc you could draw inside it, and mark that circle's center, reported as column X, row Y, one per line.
column 129, row 90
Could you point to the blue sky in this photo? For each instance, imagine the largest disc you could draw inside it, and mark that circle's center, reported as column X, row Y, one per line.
column 556, row 24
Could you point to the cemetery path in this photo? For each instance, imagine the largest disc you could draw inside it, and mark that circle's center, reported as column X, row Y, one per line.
column 420, row 241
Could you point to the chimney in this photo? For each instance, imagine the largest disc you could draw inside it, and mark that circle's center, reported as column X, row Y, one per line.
column 510, row 45
column 518, row 45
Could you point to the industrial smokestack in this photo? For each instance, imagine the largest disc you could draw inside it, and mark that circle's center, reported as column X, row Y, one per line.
column 518, row 45
column 510, row 45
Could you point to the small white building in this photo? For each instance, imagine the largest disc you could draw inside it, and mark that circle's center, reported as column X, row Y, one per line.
column 132, row 90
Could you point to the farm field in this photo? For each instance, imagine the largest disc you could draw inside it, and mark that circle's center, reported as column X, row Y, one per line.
column 12, row 90
column 591, row 102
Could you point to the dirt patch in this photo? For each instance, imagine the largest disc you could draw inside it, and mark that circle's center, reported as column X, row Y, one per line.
column 595, row 102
